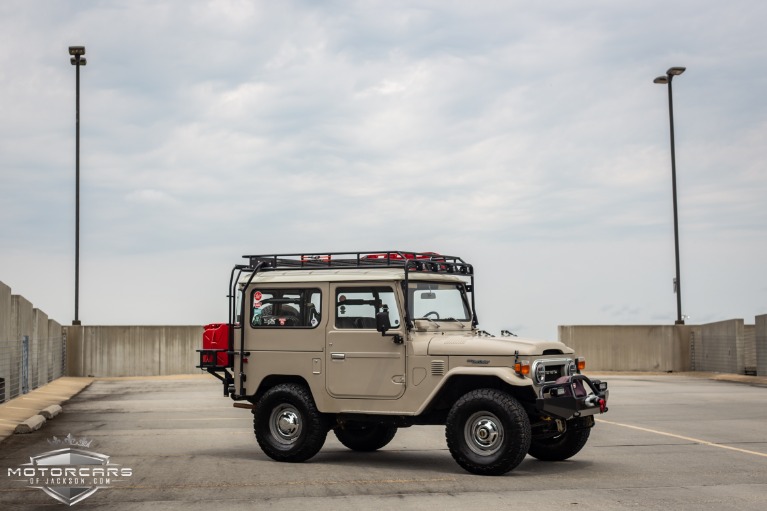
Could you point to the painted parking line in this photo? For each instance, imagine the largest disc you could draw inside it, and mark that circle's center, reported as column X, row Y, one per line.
column 687, row 438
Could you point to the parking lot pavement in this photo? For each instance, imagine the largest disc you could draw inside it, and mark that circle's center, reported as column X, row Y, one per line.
column 668, row 442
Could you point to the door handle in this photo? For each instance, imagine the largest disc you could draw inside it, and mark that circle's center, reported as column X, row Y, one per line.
column 338, row 356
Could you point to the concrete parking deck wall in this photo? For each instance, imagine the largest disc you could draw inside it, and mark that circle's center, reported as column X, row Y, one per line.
column 21, row 324
column 720, row 347
column 132, row 350
column 631, row 347
column 717, row 347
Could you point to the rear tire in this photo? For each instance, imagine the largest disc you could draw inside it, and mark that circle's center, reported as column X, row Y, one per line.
column 488, row 432
column 287, row 424
column 561, row 447
column 365, row 437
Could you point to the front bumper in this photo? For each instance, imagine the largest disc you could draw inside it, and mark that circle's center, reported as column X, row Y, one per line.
column 572, row 396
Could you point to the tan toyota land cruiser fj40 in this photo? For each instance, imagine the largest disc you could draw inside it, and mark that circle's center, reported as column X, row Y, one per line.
column 365, row 343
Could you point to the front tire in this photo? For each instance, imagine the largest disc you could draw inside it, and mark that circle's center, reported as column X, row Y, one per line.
column 488, row 432
column 365, row 437
column 561, row 447
column 287, row 424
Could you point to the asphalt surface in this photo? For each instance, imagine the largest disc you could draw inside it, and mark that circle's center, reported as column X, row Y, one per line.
column 668, row 442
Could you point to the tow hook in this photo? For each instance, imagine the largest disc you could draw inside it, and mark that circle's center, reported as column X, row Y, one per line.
column 594, row 400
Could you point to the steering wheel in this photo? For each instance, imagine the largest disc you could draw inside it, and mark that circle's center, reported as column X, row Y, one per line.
column 436, row 314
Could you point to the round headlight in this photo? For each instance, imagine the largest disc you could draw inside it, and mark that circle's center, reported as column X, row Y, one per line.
column 540, row 373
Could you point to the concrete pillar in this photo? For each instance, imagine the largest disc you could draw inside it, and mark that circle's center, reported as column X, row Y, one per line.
column 5, row 312
column 75, row 350
column 21, row 325
column 38, row 349
column 55, row 361
column 761, row 345
column 5, row 342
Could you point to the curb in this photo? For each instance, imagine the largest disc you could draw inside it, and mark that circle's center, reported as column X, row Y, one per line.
column 32, row 424
column 51, row 412
column 29, row 412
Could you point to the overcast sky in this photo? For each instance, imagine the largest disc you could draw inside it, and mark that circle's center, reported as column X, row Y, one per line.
column 525, row 137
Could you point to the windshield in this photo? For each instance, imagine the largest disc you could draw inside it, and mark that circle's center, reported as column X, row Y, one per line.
column 438, row 301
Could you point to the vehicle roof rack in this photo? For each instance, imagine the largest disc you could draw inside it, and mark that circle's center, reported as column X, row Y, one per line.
column 415, row 261
column 430, row 262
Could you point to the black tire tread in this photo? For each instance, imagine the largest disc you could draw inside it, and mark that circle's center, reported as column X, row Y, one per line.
column 315, row 429
column 517, row 431
column 372, row 438
column 560, row 448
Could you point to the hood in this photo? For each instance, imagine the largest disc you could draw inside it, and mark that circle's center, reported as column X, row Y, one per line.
column 472, row 345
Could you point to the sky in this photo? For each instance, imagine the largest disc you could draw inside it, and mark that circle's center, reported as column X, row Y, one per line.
column 526, row 137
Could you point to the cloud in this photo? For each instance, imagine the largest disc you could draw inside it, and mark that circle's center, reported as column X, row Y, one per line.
column 211, row 129
column 150, row 197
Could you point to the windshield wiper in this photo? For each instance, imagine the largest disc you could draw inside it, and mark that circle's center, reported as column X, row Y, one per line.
column 430, row 321
column 453, row 319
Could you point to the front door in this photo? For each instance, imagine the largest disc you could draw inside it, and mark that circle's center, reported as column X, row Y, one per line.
column 361, row 363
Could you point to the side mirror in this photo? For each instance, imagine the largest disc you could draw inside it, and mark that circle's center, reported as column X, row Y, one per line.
column 382, row 322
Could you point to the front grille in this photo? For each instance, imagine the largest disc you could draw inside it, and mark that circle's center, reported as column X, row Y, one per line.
column 554, row 372
column 547, row 371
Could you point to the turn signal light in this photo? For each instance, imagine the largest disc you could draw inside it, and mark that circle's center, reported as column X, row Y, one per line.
column 522, row 368
column 581, row 363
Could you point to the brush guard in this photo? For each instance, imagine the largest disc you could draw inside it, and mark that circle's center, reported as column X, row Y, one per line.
column 568, row 397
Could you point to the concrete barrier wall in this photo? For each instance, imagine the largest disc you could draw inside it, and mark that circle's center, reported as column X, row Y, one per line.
column 164, row 350
column 720, row 347
column 761, row 345
column 20, row 320
column 723, row 347
column 132, row 350
column 631, row 347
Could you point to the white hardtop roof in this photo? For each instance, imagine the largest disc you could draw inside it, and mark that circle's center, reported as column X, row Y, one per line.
column 347, row 275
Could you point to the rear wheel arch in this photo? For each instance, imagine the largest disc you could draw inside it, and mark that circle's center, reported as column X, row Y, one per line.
column 277, row 379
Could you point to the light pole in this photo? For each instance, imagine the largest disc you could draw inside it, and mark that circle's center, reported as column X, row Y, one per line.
column 77, row 60
column 670, row 74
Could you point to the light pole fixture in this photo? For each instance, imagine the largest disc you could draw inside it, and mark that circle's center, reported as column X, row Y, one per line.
column 77, row 59
column 666, row 80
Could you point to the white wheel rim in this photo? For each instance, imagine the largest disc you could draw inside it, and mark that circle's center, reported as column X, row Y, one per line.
column 285, row 424
column 483, row 433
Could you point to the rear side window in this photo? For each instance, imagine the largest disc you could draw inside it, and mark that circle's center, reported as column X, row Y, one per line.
column 285, row 308
column 356, row 307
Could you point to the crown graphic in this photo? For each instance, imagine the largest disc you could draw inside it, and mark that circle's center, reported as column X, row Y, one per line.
column 70, row 440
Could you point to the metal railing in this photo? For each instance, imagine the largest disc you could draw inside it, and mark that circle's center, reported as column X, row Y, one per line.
column 26, row 364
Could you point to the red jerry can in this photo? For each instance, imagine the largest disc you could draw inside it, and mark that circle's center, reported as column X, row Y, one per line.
column 216, row 337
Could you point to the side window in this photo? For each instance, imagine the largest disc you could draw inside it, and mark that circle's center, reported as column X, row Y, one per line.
column 356, row 307
column 285, row 308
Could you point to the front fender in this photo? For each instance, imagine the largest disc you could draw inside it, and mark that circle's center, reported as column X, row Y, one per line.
column 504, row 374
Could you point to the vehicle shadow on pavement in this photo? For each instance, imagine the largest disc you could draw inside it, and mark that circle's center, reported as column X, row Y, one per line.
column 398, row 461
column 394, row 460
